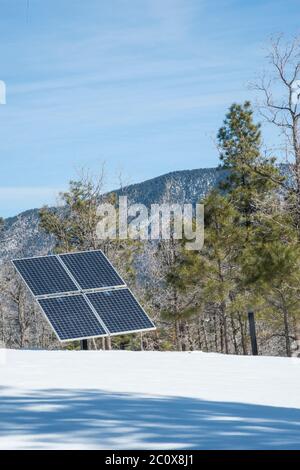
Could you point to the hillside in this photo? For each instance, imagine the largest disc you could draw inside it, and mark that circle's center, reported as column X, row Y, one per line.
column 147, row 400
column 186, row 186
column 21, row 235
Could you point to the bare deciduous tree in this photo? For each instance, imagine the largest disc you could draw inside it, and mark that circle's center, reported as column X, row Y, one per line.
column 280, row 104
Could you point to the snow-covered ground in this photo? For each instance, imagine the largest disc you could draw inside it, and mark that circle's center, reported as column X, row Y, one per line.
column 147, row 400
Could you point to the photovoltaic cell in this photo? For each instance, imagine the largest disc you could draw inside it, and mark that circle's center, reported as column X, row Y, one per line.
column 91, row 269
column 45, row 275
column 71, row 313
column 71, row 317
column 120, row 311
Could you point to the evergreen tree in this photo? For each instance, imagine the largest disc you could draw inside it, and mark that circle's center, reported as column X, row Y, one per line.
column 234, row 231
column 223, row 235
column 270, row 256
column 214, row 273
column 272, row 267
column 177, row 300
column 250, row 175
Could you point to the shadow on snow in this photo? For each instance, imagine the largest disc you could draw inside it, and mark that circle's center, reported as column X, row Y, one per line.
column 56, row 418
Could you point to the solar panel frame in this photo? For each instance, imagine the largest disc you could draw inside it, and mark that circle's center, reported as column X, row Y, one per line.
column 30, row 285
column 107, row 323
column 64, row 257
column 85, row 293
column 89, row 310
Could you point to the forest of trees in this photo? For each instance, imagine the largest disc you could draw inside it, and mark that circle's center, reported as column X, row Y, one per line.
column 199, row 300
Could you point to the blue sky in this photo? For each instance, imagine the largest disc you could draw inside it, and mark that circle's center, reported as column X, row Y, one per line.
column 142, row 85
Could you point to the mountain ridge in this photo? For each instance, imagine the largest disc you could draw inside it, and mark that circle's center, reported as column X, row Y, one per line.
column 21, row 235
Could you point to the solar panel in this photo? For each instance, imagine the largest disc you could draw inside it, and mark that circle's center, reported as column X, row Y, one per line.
column 82, row 296
column 71, row 317
column 45, row 275
column 91, row 269
column 120, row 311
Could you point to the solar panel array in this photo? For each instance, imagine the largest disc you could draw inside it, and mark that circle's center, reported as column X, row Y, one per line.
column 82, row 295
column 45, row 275
column 120, row 311
column 71, row 317
column 92, row 270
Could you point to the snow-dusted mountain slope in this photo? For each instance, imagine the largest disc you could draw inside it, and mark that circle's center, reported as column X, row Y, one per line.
column 147, row 400
column 22, row 237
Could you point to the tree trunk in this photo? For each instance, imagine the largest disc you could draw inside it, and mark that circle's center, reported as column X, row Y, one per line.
column 225, row 333
column 182, row 335
column 188, row 337
column 216, row 332
column 199, row 335
column 296, row 352
column 142, row 343
column 22, row 324
column 177, row 335
column 221, row 334
column 286, row 329
column 243, row 338
column 234, row 335
column 296, row 148
column 204, row 334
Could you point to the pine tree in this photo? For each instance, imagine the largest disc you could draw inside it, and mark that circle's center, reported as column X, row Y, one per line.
column 176, row 300
column 213, row 274
column 233, row 229
column 272, row 267
column 249, row 174
column 270, row 255
column 222, row 253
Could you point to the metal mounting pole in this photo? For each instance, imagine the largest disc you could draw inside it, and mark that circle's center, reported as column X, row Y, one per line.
column 84, row 345
column 252, row 331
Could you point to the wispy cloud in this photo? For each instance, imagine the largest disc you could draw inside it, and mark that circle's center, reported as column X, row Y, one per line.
column 140, row 84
